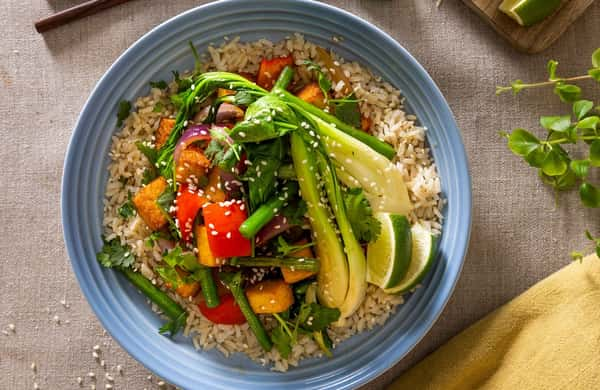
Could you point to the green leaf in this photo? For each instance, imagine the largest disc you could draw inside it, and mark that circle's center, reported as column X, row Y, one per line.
column 284, row 249
column 127, row 209
column 581, row 108
column 598, row 250
column 365, row 227
column 595, row 153
column 322, row 80
column 158, row 107
column 567, row 92
column 282, row 341
column 149, row 175
column 221, row 151
column 552, row 65
column 536, row 157
column 295, row 211
column 320, row 317
column 267, row 118
column 589, row 236
column 590, row 195
column 148, row 151
column 591, row 122
column 169, row 275
column 265, row 159
column 556, row 123
column 576, row 256
column 161, row 84
column 565, row 181
column 123, row 112
column 580, row 167
column 115, row 254
column 554, row 164
column 172, row 327
column 522, row 142
column 596, row 58
column 595, row 73
column 348, row 111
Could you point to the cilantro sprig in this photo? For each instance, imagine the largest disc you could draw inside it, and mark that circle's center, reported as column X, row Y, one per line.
column 553, row 154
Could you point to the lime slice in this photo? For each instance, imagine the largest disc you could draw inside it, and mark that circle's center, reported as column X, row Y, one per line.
column 388, row 257
column 528, row 12
column 422, row 258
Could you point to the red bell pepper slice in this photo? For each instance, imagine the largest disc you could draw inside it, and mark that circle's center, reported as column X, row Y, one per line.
column 188, row 204
column 228, row 312
column 223, row 222
column 269, row 70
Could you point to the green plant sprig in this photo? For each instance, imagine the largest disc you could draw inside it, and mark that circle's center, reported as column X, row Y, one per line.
column 567, row 92
column 556, row 165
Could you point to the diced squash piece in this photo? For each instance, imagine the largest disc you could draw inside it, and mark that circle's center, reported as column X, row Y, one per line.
column 185, row 290
column 205, row 256
column 192, row 165
column 269, row 70
column 146, row 206
column 292, row 276
column 312, row 94
column 224, row 92
column 365, row 123
column 270, row 296
column 165, row 126
column 213, row 191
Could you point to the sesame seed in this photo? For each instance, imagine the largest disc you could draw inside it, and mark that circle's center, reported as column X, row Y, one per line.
column 228, row 235
column 214, row 233
column 95, row 355
column 33, row 367
column 12, row 327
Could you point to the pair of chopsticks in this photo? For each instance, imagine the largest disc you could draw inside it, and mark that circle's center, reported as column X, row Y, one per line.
column 74, row 13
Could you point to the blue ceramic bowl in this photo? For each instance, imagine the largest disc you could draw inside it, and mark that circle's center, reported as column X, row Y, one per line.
column 124, row 312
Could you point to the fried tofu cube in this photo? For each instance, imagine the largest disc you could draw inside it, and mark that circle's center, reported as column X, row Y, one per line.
column 165, row 126
column 146, row 206
column 192, row 164
column 270, row 296
column 312, row 94
column 292, row 276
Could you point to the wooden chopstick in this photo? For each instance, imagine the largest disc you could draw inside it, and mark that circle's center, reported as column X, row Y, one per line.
column 77, row 12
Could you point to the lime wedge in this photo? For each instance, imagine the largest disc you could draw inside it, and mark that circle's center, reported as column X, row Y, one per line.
column 388, row 257
column 528, row 12
column 422, row 258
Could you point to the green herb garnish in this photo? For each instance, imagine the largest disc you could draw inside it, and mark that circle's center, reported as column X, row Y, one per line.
column 123, row 113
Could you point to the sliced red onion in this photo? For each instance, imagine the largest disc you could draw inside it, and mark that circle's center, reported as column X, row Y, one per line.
column 228, row 113
column 275, row 227
column 192, row 134
column 230, row 184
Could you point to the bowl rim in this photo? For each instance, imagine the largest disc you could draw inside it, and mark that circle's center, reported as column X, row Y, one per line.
column 65, row 181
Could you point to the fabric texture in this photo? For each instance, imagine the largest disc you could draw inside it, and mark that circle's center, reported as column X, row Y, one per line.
column 546, row 338
column 520, row 235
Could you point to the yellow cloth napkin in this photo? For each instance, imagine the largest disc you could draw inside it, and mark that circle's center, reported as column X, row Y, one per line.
column 546, row 338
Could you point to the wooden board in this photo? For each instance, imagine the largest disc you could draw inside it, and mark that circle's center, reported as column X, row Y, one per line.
column 535, row 38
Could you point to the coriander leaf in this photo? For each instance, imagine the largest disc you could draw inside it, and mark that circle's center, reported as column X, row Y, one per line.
column 556, row 123
column 148, row 151
column 169, row 275
column 320, row 317
column 182, row 84
column 595, row 153
column 521, row 142
column 197, row 59
column 348, row 111
column 158, row 107
column 161, row 84
column 581, row 108
column 152, row 239
column 590, row 195
column 322, row 80
column 580, row 167
column 149, row 175
column 365, row 227
column 265, row 119
column 554, row 163
column 172, row 327
column 284, row 249
column 595, row 73
column 282, row 341
column 596, row 58
column 221, row 150
column 114, row 254
column 552, row 65
column 127, row 209
column 567, row 92
column 591, row 122
column 164, row 201
column 264, row 159
column 176, row 257
column 123, row 113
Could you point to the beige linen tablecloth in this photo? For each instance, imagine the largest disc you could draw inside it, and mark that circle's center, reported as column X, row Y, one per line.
column 519, row 234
